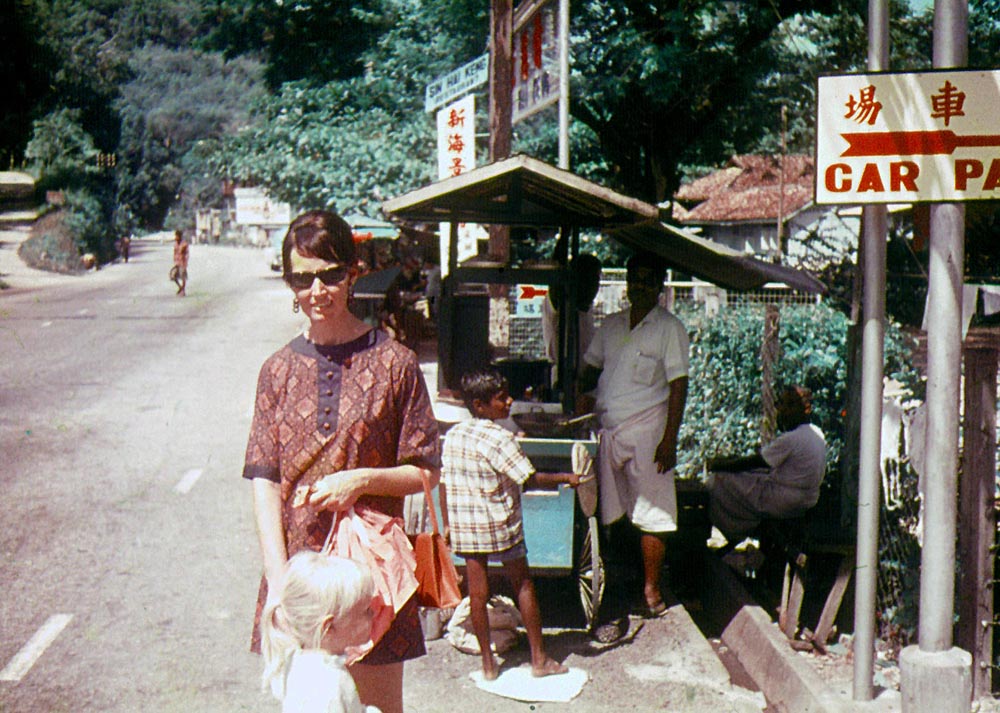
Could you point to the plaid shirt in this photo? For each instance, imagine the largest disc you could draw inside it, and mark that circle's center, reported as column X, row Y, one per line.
column 483, row 471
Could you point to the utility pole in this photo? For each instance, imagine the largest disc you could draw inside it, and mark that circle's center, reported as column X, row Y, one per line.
column 501, row 101
column 871, row 258
column 935, row 675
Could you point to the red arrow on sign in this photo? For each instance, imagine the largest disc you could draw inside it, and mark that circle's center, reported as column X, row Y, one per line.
column 912, row 143
column 530, row 291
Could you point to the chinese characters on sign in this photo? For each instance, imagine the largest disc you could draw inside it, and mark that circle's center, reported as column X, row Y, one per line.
column 886, row 138
column 456, row 125
column 536, row 63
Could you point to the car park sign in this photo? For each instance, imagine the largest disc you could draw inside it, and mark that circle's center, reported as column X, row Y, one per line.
column 908, row 137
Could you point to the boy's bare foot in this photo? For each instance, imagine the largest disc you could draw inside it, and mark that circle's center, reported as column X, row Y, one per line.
column 490, row 669
column 549, row 667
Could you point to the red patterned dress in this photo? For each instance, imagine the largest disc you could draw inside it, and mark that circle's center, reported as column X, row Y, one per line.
column 323, row 409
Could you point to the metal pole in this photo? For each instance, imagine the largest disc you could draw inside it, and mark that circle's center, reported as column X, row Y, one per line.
column 934, row 675
column 564, row 84
column 874, row 231
column 944, row 365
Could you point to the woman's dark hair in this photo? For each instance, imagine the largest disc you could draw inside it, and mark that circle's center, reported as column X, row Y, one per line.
column 481, row 385
column 321, row 234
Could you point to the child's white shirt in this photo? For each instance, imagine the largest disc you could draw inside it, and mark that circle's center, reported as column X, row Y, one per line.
column 318, row 682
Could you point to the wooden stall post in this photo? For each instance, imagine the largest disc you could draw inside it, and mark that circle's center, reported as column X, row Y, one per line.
column 977, row 487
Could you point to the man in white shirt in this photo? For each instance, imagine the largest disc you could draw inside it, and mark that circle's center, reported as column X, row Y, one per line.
column 782, row 480
column 638, row 360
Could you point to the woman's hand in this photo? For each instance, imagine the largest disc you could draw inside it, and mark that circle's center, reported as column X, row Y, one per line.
column 338, row 491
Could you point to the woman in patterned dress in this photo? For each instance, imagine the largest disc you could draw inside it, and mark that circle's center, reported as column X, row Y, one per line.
column 342, row 419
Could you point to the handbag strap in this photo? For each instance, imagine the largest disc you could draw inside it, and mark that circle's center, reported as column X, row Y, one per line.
column 429, row 502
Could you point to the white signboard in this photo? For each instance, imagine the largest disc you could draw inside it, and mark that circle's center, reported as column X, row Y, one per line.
column 529, row 300
column 253, row 207
column 456, row 152
column 536, row 63
column 891, row 138
column 454, row 84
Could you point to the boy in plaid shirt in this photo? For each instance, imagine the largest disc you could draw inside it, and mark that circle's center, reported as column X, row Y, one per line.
column 483, row 470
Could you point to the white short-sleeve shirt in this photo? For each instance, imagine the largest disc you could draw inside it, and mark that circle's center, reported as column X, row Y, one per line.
column 798, row 460
column 637, row 364
column 318, row 682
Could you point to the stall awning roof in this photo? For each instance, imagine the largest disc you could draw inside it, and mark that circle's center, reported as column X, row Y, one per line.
column 520, row 190
column 525, row 191
column 711, row 261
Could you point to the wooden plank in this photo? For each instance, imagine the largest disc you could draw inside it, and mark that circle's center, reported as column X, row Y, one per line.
column 794, row 607
column 977, row 534
column 833, row 600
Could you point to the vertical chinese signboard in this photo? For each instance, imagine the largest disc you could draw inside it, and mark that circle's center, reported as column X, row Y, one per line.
column 456, row 125
column 925, row 136
column 536, row 62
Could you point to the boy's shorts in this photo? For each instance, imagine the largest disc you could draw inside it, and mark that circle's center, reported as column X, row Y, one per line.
column 516, row 552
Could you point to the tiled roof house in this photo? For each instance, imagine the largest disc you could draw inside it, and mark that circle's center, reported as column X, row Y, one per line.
column 739, row 205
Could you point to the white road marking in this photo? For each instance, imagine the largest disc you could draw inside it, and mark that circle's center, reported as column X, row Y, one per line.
column 33, row 650
column 46, row 324
column 188, row 481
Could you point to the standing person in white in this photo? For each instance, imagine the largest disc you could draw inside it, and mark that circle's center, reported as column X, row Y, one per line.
column 638, row 359
column 585, row 271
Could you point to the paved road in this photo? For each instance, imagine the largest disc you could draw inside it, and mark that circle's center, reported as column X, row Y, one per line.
column 127, row 534
column 123, row 415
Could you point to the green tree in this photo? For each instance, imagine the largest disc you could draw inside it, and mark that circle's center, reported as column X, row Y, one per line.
column 24, row 74
column 61, row 153
column 352, row 142
column 175, row 99
column 320, row 40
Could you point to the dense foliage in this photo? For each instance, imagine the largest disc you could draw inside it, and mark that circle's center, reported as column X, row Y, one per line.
column 330, row 93
column 724, row 406
column 174, row 100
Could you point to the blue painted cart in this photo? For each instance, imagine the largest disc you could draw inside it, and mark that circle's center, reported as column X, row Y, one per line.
column 562, row 539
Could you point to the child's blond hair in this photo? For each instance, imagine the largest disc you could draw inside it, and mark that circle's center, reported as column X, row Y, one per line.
column 316, row 589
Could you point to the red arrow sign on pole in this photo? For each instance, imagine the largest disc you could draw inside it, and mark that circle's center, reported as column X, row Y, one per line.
column 530, row 291
column 912, row 143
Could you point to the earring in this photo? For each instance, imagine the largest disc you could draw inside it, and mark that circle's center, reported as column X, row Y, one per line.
column 295, row 305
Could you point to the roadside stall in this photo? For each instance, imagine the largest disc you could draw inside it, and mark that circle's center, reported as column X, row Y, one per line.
column 523, row 192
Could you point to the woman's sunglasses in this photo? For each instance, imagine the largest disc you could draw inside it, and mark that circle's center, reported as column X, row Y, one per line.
column 329, row 277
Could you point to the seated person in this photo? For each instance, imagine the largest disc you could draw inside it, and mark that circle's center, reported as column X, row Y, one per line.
column 780, row 481
column 404, row 290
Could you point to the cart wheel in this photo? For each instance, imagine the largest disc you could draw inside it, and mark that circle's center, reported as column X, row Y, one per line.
column 590, row 573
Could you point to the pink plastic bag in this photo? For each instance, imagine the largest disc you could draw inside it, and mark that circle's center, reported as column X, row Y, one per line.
column 377, row 540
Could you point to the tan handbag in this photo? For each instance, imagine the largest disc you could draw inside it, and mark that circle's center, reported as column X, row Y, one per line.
column 437, row 578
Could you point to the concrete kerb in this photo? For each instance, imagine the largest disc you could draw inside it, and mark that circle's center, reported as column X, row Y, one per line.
column 788, row 682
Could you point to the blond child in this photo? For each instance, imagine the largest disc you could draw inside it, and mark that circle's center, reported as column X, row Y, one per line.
column 321, row 611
